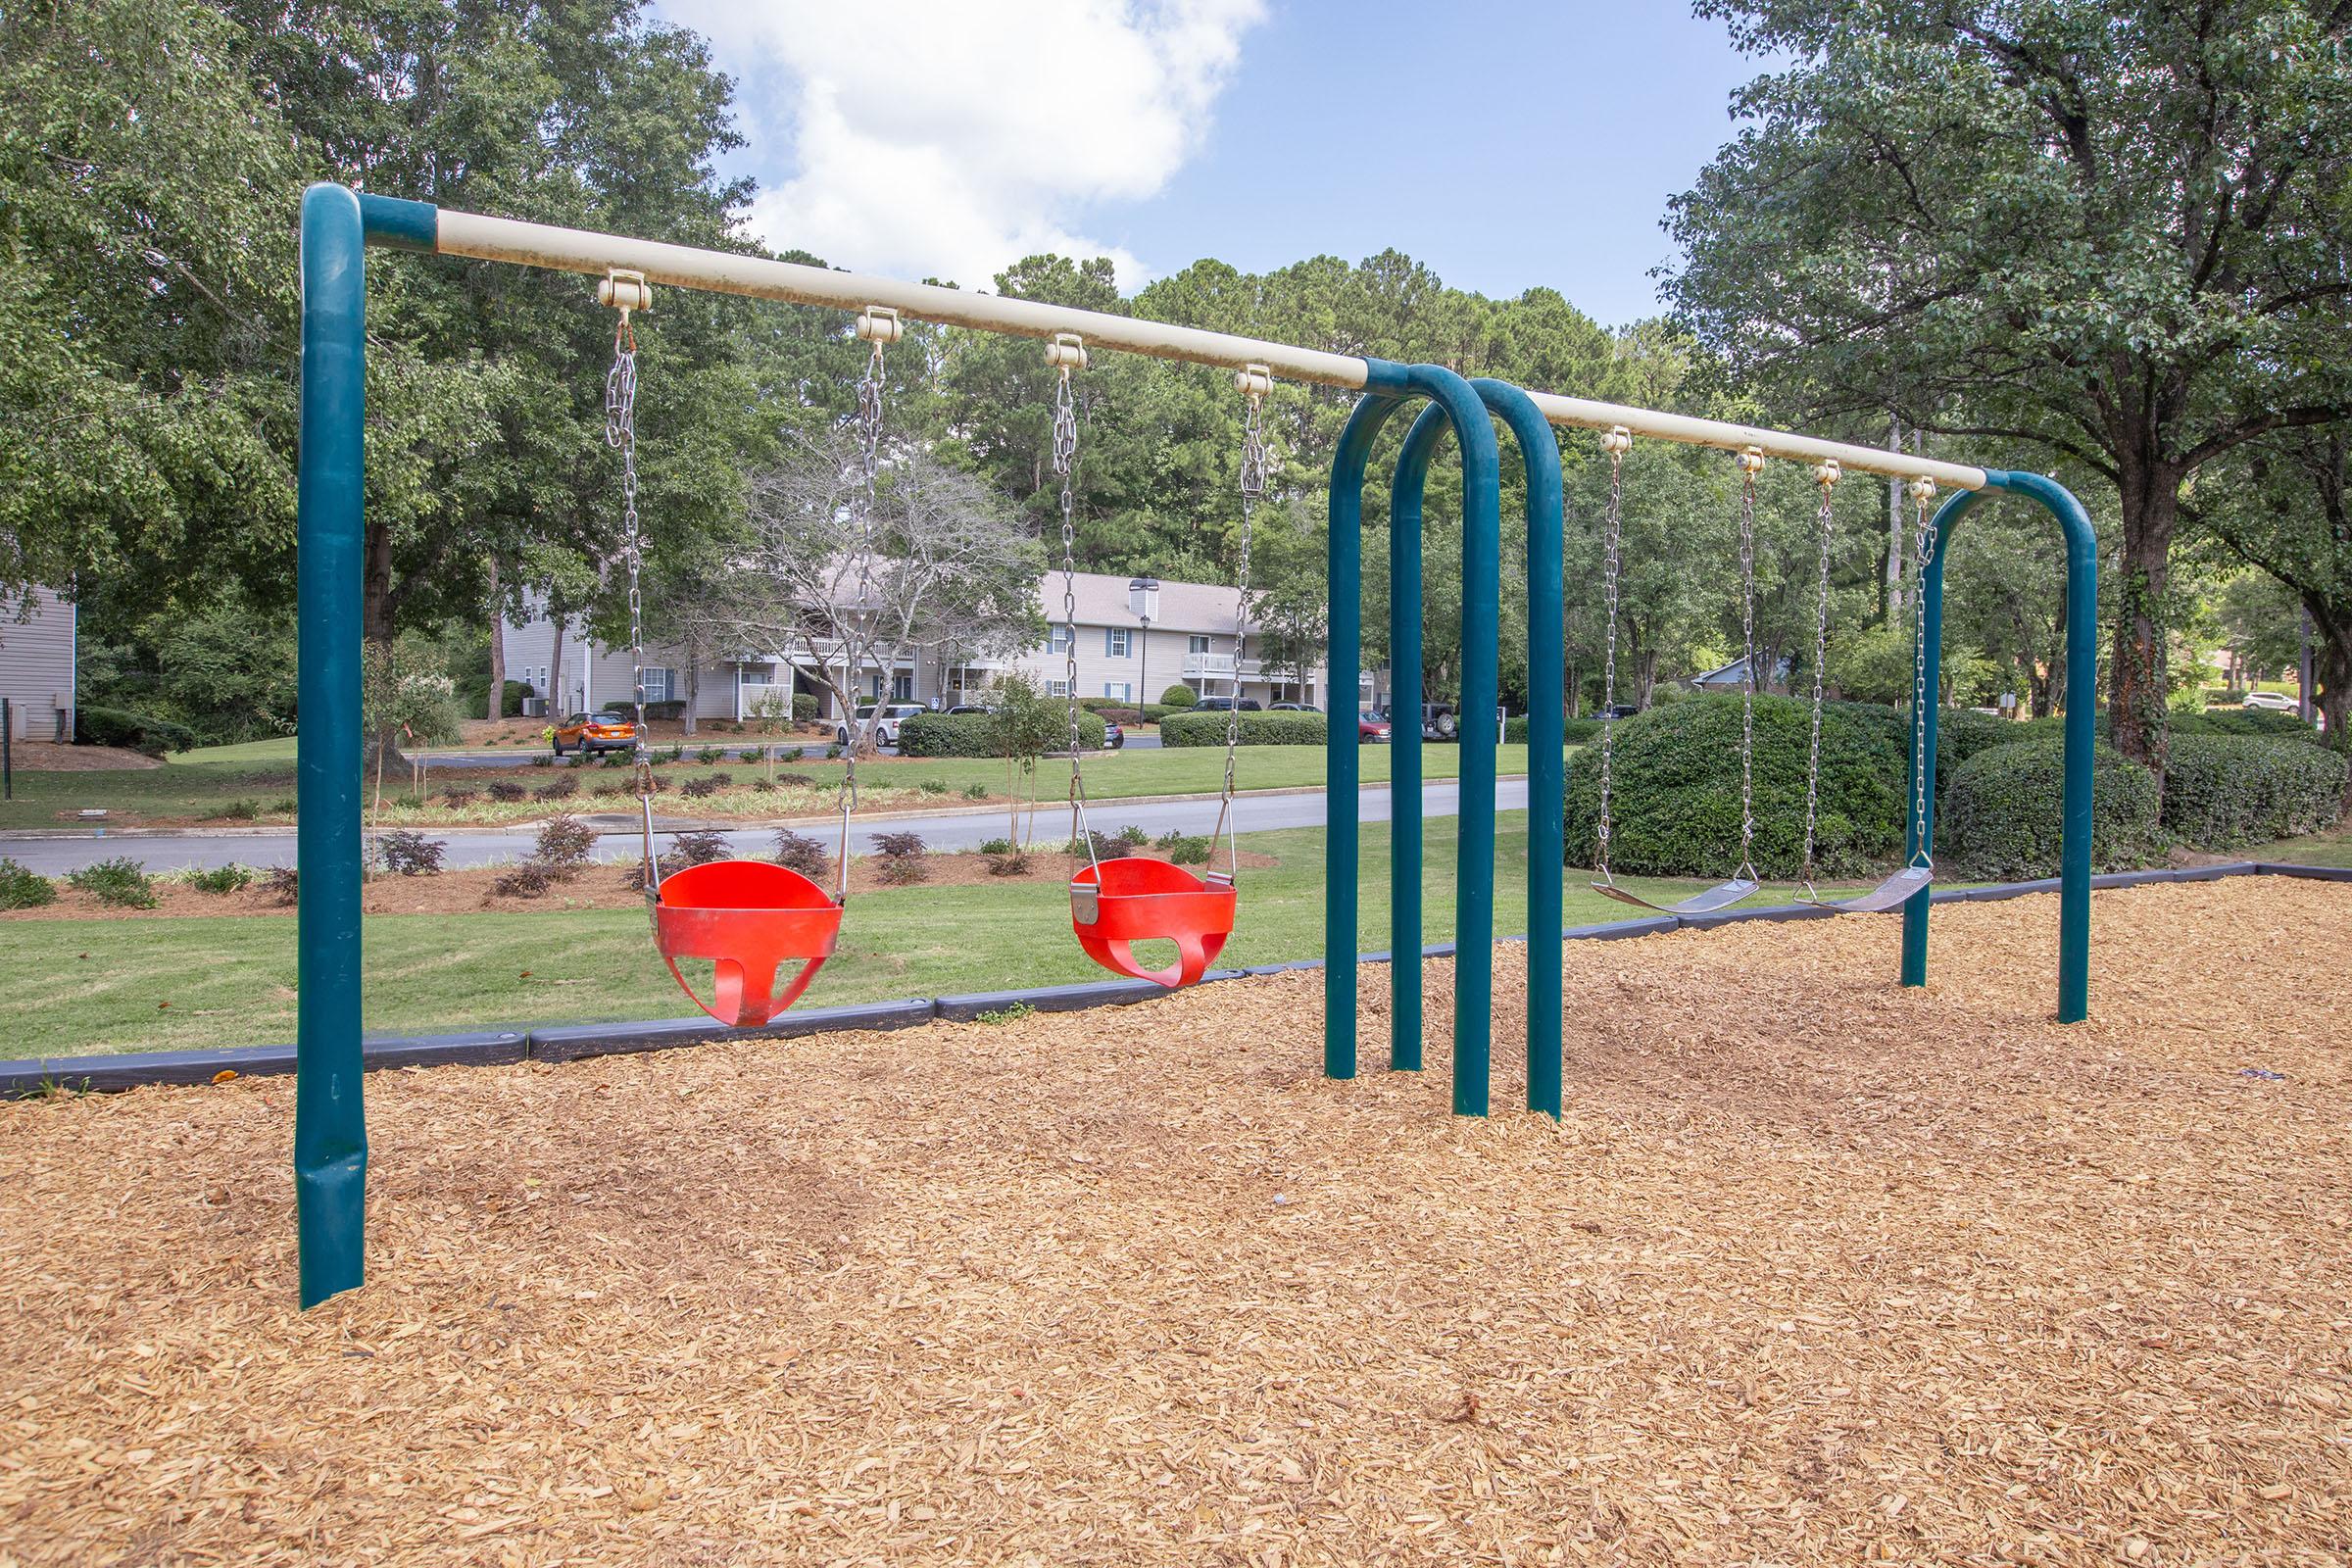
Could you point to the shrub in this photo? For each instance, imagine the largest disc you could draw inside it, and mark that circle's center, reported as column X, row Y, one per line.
column 798, row 852
column 798, row 781
column 137, row 732
column 978, row 735
column 764, row 786
column 2000, row 817
column 1007, row 863
column 609, row 789
column 22, row 888
column 833, row 752
column 696, row 846
column 505, row 789
column 975, row 792
column 1107, row 848
column 118, row 882
column 543, row 759
column 803, row 707
column 1515, row 730
column 220, row 879
column 407, row 853
column 1133, row 836
column 902, row 857
column 1674, row 794
column 996, row 845
column 751, row 754
column 934, row 786
column 557, row 789
column 669, row 707
column 234, row 811
column 673, row 754
column 457, row 800
column 2222, row 792
column 1257, row 729
column 710, row 756
column 284, row 805
column 1179, row 697
column 700, row 789
column 564, row 845
column 283, row 883
column 1184, row 849
column 527, row 879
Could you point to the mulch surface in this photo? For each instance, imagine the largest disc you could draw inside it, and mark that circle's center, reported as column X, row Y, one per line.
column 1816, row 1269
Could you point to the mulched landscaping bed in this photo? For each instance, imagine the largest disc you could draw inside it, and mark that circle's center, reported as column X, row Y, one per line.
column 1816, row 1269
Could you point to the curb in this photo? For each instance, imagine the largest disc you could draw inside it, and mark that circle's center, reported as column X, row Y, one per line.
column 558, row 1042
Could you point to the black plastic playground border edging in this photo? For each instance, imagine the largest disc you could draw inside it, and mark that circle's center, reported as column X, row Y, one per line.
column 557, row 1043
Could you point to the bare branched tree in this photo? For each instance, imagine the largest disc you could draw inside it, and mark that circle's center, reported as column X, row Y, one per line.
column 942, row 561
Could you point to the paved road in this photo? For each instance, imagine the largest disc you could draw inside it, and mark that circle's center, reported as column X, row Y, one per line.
column 54, row 856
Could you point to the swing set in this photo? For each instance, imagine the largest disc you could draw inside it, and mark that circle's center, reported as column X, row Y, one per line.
column 752, row 920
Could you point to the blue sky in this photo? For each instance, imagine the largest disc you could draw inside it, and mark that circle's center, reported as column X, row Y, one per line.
column 1504, row 145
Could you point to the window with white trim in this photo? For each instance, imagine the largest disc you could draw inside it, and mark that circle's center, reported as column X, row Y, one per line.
column 657, row 683
column 1120, row 690
column 1057, row 641
column 1114, row 642
column 1058, row 688
column 1196, row 643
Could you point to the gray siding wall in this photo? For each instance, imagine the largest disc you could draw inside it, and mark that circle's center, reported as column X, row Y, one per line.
column 36, row 668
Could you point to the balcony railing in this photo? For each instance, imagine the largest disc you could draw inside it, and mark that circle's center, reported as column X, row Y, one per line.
column 1219, row 667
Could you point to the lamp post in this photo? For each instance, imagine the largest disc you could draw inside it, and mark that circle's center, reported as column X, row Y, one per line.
column 1143, row 597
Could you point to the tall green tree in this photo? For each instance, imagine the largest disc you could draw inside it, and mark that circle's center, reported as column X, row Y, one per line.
column 2112, row 231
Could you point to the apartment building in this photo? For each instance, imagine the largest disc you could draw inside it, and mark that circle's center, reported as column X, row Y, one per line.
column 1134, row 639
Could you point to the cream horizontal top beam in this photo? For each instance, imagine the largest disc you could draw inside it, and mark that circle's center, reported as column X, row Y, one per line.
column 505, row 239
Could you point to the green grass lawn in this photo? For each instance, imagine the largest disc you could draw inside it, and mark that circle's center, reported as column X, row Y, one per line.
column 203, row 785
column 70, row 987
column 2332, row 848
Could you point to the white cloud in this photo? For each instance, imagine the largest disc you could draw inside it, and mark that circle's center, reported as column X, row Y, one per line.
column 950, row 138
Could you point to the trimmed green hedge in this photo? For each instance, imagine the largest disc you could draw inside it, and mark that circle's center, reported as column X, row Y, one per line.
column 1257, row 729
column 1675, row 791
column 2000, row 819
column 2222, row 792
column 2213, row 721
column 975, row 734
column 1179, row 697
column 1575, row 731
column 139, row 732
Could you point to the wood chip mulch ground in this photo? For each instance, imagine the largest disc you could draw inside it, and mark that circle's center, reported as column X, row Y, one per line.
column 1815, row 1270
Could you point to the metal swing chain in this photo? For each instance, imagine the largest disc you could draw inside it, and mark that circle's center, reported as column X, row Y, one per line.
column 628, row 292
column 1253, row 382
column 1067, row 352
column 1616, row 443
column 1751, row 463
column 1923, row 533
column 879, row 325
column 1825, row 476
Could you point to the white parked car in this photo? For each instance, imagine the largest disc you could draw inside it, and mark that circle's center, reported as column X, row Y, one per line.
column 2273, row 702
column 886, row 733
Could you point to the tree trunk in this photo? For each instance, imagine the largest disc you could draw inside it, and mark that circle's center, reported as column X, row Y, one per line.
column 2150, row 494
column 694, row 691
column 2332, row 671
column 555, row 669
column 1895, row 527
column 498, row 650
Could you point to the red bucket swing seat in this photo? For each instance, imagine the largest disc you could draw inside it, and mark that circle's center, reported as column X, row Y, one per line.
column 749, row 918
column 1117, row 904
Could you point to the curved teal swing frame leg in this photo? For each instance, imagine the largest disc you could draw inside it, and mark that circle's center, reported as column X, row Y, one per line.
column 1547, row 774
column 2081, row 712
column 330, row 1124
column 1387, row 386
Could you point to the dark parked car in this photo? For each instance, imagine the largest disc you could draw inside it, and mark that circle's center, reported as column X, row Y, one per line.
column 1221, row 705
column 1114, row 736
column 1438, row 722
column 1294, row 708
column 1619, row 711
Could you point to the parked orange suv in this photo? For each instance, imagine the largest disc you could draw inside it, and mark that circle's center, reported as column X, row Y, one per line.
column 608, row 730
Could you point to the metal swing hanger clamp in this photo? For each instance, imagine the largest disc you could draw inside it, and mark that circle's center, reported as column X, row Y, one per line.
column 626, row 291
